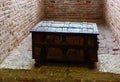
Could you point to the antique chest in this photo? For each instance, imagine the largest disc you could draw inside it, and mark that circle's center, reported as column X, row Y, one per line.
column 54, row 41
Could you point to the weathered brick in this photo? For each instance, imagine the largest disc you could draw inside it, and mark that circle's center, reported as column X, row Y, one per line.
column 17, row 17
column 73, row 9
column 112, row 16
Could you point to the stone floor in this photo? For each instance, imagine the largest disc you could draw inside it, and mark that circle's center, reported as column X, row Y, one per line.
column 108, row 53
column 20, row 57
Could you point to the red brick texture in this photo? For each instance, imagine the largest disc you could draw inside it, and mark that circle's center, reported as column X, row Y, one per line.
column 112, row 16
column 73, row 9
column 16, row 19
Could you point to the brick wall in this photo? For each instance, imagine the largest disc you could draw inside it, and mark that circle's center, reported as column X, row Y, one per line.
column 112, row 16
column 73, row 9
column 16, row 19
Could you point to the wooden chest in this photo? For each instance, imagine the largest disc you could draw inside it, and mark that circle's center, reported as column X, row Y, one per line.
column 64, row 42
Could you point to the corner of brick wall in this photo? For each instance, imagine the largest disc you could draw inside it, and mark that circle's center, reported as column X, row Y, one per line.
column 17, row 17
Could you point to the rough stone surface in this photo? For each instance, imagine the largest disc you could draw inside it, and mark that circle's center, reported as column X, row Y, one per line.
column 109, row 51
column 20, row 57
column 108, row 58
column 109, row 63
